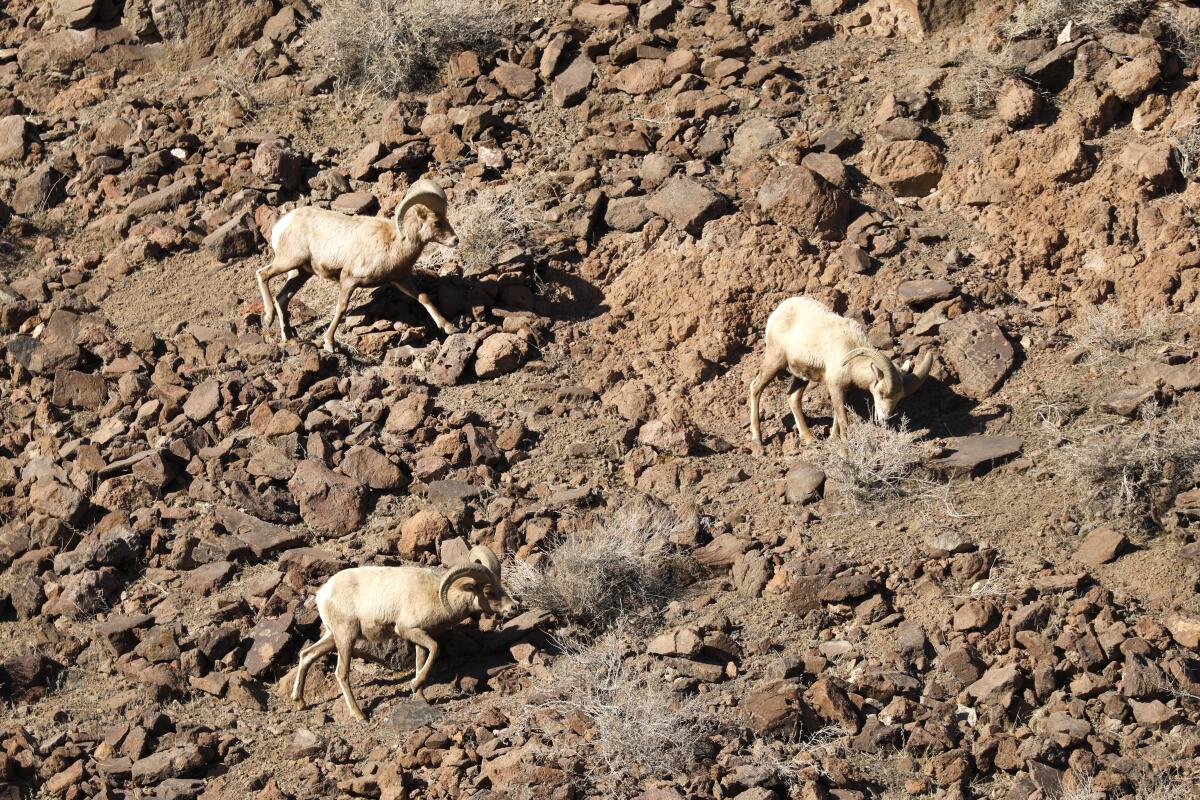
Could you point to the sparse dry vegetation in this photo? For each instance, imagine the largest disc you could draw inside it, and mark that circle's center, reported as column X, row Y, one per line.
column 874, row 463
column 1051, row 16
column 638, row 726
column 595, row 576
column 400, row 45
column 1106, row 334
column 1134, row 472
column 1182, row 27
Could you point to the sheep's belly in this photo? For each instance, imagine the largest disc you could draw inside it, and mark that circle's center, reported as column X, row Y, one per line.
column 805, row 371
column 376, row 632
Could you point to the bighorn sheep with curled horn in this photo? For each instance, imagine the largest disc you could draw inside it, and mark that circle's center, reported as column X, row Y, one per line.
column 410, row 603
column 355, row 251
column 815, row 344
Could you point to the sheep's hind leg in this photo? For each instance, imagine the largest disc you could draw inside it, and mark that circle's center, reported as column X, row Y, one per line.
column 340, row 311
column 795, row 396
column 307, row 656
column 264, row 276
column 295, row 281
column 409, row 289
column 345, row 651
column 772, row 366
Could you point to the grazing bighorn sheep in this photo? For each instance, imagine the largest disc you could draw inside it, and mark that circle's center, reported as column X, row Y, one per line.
column 815, row 344
column 410, row 603
column 355, row 251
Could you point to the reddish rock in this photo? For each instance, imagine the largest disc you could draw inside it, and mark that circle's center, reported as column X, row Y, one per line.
column 908, row 168
column 327, row 501
column 1101, row 546
column 797, row 196
column 78, row 390
column 686, row 204
column 498, row 355
column 422, row 532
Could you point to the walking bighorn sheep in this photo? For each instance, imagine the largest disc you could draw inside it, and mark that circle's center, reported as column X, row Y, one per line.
column 815, row 344
column 355, row 251
column 411, row 603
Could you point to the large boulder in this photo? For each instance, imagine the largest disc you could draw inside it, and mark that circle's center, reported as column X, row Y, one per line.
column 43, row 188
column 205, row 27
column 686, row 204
column 908, row 168
column 797, row 196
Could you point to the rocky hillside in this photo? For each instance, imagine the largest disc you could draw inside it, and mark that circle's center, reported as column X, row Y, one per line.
column 998, row 596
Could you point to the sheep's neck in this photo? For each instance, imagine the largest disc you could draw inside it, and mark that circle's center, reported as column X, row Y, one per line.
column 408, row 244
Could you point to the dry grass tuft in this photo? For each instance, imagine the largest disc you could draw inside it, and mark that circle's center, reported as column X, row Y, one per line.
column 976, row 84
column 639, row 728
column 1051, row 16
column 1187, row 145
column 401, row 45
column 1106, row 334
column 1134, row 472
column 595, row 576
column 874, row 463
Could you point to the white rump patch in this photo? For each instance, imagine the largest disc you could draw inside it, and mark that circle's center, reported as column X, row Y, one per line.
column 280, row 227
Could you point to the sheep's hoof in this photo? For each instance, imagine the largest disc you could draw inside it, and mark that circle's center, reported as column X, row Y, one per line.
column 329, row 348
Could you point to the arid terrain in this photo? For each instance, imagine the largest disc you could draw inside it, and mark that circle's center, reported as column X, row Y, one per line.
column 994, row 595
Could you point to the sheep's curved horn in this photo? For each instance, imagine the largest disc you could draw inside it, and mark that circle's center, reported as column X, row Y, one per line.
column 426, row 193
column 482, row 554
column 477, row 571
column 914, row 379
column 891, row 375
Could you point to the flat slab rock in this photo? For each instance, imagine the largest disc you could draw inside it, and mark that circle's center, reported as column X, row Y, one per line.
column 979, row 352
column 972, row 456
column 914, row 293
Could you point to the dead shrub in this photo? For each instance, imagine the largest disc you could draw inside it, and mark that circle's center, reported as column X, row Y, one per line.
column 875, row 463
column 493, row 219
column 387, row 46
column 1051, row 16
column 594, row 576
column 1134, row 472
column 638, row 727
column 1107, row 334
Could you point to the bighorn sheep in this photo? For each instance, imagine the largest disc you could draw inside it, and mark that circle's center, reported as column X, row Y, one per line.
column 410, row 603
column 815, row 344
column 355, row 251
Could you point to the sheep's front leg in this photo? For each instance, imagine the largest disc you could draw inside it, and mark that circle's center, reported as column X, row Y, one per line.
column 837, row 399
column 347, row 289
column 406, row 286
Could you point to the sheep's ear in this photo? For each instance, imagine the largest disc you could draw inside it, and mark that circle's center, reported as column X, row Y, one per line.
column 907, row 367
column 878, row 373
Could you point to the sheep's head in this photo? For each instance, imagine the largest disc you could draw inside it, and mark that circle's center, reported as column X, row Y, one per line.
column 422, row 213
column 480, row 582
column 890, row 383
